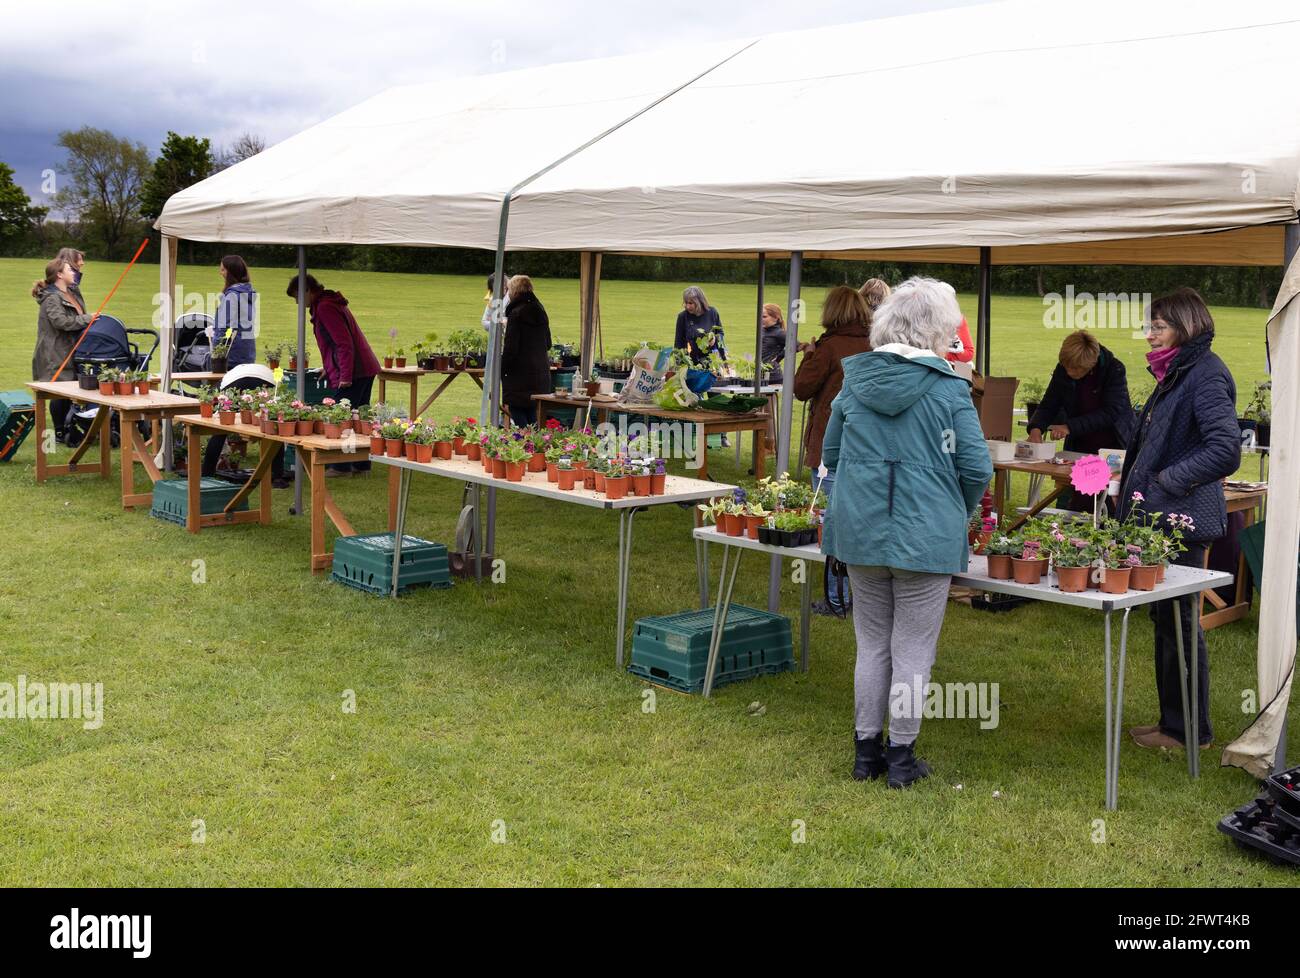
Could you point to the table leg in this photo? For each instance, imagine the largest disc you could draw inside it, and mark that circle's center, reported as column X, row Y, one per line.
column 193, row 473
column 702, row 571
column 399, row 530
column 104, row 429
column 726, row 584
column 264, row 497
column 126, row 454
column 1119, row 709
column 702, row 451
column 414, row 386
column 1110, row 719
column 41, row 402
column 1000, row 492
column 477, row 534
column 625, row 518
column 383, row 389
column 95, row 429
column 317, row 507
column 394, row 492
column 1192, row 737
column 805, row 616
column 760, row 458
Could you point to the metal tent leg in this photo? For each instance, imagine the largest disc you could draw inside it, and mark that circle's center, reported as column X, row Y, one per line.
column 399, row 530
column 726, row 585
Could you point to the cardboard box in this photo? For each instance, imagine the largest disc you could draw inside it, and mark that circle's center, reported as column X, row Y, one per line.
column 995, row 402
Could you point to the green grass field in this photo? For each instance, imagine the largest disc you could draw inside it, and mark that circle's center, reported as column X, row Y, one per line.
column 482, row 708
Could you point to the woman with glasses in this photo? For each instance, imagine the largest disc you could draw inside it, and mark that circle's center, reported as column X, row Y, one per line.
column 1186, row 444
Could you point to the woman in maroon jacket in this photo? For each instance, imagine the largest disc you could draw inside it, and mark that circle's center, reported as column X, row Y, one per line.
column 350, row 365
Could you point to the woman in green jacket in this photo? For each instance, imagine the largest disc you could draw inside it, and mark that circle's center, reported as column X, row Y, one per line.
column 62, row 318
column 910, row 465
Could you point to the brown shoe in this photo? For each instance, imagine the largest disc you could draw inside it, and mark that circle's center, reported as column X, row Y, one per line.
column 1163, row 740
column 1136, row 732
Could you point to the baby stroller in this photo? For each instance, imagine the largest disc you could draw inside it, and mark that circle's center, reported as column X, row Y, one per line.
column 192, row 343
column 107, row 343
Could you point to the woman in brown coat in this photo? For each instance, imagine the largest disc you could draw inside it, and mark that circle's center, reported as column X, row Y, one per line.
column 846, row 320
column 61, row 320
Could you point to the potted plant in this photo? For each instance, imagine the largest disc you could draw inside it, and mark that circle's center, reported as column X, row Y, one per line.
column 247, row 404
column 442, row 441
column 122, row 383
column 293, row 360
column 641, row 482
column 658, row 478
column 755, row 516
column 1117, row 564
column 225, row 409
column 207, row 396
column 1072, row 553
column 141, row 378
column 473, row 450
column 1260, row 412
column 615, row 478
column 999, row 550
column 273, row 355
column 107, row 378
column 86, row 378
column 306, row 418
column 220, row 351
column 1029, row 565
column 394, row 433
column 566, row 474
column 515, row 455
column 399, row 359
column 388, row 353
column 1031, row 395
column 332, row 415
column 418, row 442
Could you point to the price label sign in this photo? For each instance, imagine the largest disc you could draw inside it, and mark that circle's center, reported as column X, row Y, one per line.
column 1090, row 475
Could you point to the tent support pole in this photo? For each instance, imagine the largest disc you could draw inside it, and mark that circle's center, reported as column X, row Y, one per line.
column 589, row 278
column 302, row 369
column 1290, row 245
column 984, row 309
column 793, row 317
column 167, row 288
column 490, row 406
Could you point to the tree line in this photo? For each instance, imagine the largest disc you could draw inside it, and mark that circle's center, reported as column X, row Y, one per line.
column 110, row 190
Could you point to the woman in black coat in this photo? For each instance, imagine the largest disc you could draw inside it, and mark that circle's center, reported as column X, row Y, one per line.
column 1187, row 442
column 526, row 352
column 1086, row 401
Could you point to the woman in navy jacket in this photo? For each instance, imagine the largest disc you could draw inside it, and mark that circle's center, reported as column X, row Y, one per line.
column 1187, row 442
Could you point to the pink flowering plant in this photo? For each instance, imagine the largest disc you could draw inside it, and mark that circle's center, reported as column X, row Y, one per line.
column 1072, row 544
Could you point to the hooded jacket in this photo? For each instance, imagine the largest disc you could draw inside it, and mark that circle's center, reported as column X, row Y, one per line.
column 1107, row 384
column 1187, row 442
column 345, row 354
column 238, row 313
column 818, row 380
column 57, row 327
column 910, row 462
column 526, row 350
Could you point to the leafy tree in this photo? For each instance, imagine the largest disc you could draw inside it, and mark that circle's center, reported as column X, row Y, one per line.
column 184, row 160
column 16, row 212
column 105, row 177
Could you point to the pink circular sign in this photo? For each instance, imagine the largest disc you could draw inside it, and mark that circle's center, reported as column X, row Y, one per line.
column 1090, row 475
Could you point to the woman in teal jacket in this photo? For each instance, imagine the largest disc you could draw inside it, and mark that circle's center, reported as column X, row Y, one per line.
column 910, row 465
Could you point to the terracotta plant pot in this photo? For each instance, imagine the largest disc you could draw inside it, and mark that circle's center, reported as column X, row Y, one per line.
column 498, row 468
column 600, row 481
column 442, row 449
column 226, row 417
column 318, row 427
column 441, row 363
column 567, row 477
column 1000, row 567
column 615, row 488
column 286, row 428
column 106, row 387
column 458, row 446
column 752, row 523
column 268, row 427
column 304, row 427
column 1160, row 573
column 735, row 524
column 1027, row 571
column 589, row 479
column 551, row 470
column 124, row 387
column 473, row 451
column 388, row 363
column 424, row 453
column 399, row 362
column 537, row 462
column 641, row 486
column 1115, row 581
column 246, row 417
column 409, row 448
column 273, row 364
column 1072, row 579
column 515, row 471
column 205, row 410
column 657, row 484
column 332, row 430
column 376, row 445
column 142, row 387
column 981, row 541
column 1143, row 577
column 393, row 447
column 487, row 463
column 593, row 388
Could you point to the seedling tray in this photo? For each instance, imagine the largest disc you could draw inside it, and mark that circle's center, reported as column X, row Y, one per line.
column 673, row 650
column 1256, row 826
column 1284, row 788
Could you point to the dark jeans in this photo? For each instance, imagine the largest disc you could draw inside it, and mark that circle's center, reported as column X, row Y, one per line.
column 523, row 414
column 358, row 392
column 1169, row 672
column 212, row 455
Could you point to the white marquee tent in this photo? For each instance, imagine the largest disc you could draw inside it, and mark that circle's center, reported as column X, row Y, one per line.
column 1016, row 133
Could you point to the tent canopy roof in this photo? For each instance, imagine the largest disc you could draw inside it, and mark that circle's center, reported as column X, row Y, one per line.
column 1020, row 126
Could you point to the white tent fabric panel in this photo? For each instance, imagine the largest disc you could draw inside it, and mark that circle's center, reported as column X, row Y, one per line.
column 426, row 164
column 1254, row 750
column 1008, row 125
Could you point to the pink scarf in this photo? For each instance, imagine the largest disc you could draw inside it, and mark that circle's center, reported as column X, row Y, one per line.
column 1160, row 360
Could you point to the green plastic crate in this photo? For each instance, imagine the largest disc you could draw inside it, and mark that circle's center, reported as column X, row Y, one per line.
column 315, row 387
column 171, row 499
column 17, row 419
column 366, row 563
column 673, row 650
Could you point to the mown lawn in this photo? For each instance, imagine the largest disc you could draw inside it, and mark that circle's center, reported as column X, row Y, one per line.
column 482, row 708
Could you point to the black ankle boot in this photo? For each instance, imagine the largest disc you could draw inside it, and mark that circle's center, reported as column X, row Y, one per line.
column 904, row 766
column 869, row 758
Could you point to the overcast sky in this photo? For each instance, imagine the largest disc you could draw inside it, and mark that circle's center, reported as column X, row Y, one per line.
column 273, row 68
